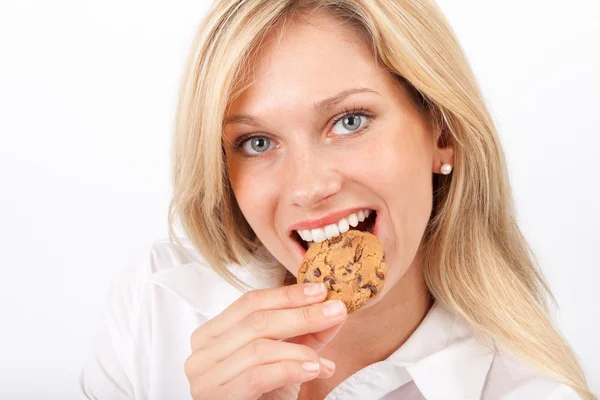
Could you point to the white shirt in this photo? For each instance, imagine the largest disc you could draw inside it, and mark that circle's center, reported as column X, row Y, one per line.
column 144, row 340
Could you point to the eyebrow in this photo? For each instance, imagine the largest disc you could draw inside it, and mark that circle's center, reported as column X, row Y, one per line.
column 320, row 107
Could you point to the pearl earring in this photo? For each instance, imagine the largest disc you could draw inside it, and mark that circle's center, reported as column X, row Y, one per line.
column 446, row 169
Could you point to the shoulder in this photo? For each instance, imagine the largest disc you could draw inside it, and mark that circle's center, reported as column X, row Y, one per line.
column 164, row 254
column 145, row 328
column 179, row 269
column 154, row 257
column 511, row 379
column 162, row 257
column 131, row 291
column 176, row 267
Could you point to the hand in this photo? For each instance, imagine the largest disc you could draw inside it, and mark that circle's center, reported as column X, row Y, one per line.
column 265, row 342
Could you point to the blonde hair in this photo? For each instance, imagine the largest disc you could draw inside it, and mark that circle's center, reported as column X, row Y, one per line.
column 476, row 261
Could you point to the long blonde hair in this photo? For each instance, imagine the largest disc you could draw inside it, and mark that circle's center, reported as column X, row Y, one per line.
column 476, row 261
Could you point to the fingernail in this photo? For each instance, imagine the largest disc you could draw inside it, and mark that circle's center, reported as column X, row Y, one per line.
column 333, row 308
column 330, row 365
column 314, row 289
column 311, row 366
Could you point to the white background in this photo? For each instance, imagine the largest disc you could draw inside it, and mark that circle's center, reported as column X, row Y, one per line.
column 87, row 96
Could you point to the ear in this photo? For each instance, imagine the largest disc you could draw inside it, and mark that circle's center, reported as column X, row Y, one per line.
column 443, row 151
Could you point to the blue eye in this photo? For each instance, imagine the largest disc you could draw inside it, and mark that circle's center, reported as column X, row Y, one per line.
column 352, row 121
column 256, row 145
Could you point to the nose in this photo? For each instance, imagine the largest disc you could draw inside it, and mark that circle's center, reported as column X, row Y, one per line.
column 312, row 178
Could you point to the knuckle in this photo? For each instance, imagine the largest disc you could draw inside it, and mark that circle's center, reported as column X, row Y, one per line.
column 309, row 354
column 287, row 372
column 192, row 365
column 197, row 339
column 188, row 367
column 198, row 391
column 287, row 293
column 254, row 381
column 305, row 314
column 258, row 321
column 258, row 348
column 251, row 299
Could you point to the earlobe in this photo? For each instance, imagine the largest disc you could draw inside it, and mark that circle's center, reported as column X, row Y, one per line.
column 444, row 160
column 446, row 169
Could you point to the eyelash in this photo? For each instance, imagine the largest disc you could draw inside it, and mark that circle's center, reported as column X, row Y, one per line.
column 347, row 113
column 355, row 111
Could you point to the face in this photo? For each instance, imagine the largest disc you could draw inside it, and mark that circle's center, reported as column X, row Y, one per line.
column 330, row 135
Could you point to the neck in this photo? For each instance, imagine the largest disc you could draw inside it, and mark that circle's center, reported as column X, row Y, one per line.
column 373, row 334
column 385, row 326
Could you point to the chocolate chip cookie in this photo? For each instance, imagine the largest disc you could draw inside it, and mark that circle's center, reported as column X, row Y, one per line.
column 352, row 265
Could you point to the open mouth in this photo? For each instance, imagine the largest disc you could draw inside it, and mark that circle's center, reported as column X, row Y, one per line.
column 363, row 221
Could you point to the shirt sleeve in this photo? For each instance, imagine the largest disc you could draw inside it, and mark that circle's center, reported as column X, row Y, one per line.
column 111, row 370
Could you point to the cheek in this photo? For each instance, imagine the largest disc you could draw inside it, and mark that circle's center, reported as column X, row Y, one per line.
column 254, row 193
column 401, row 175
column 405, row 185
column 402, row 164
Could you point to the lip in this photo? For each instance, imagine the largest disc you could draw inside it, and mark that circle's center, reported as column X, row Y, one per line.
column 325, row 220
column 301, row 249
column 376, row 227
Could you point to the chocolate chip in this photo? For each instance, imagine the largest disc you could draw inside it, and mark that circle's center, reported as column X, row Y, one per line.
column 370, row 286
column 306, row 280
column 348, row 242
column 380, row 275
column 359, row 279
column 318, row 273
column 336, row 239
column 330, row 280
column 358, row 253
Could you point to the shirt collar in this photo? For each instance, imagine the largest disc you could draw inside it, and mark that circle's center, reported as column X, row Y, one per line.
column 442, row 357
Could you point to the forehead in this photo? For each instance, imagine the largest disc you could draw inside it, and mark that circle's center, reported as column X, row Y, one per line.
column 307, row 63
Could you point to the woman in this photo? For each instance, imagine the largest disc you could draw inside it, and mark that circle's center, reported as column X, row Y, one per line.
column 295, row 115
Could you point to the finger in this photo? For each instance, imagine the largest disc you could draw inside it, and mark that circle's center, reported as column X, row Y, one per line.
column 279, row 324
column 260, row 351
column 318, row 340
column 196, row 366
column 327, row 368
column 291, row 296
column 266, row 378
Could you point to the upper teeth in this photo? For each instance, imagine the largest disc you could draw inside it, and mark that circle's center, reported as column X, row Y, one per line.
column 333, row 230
